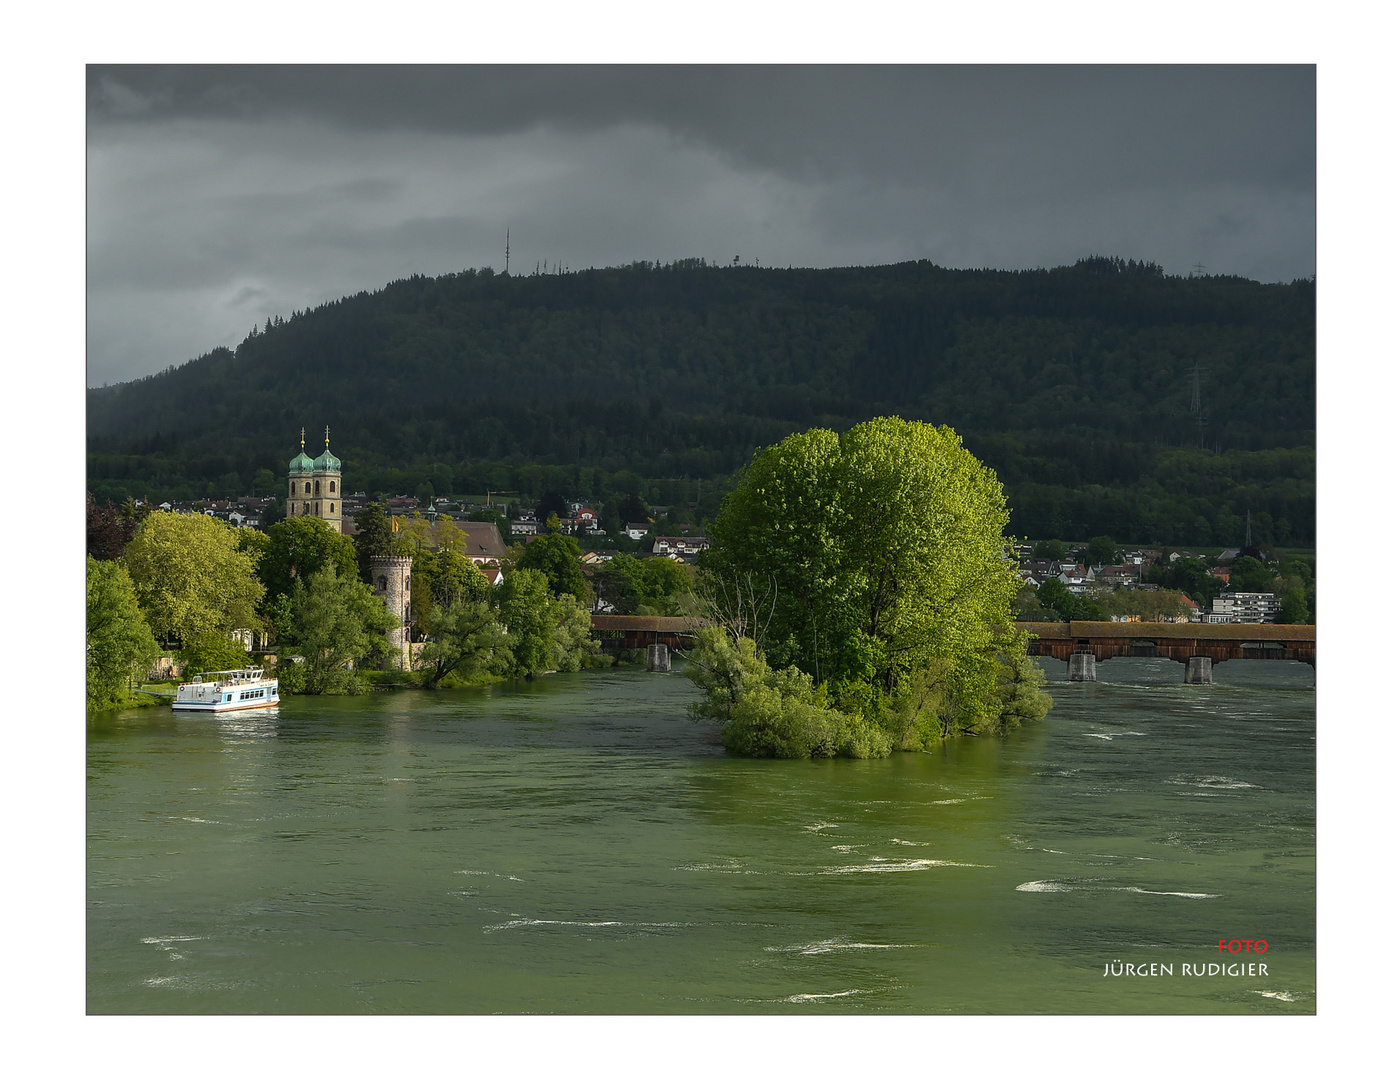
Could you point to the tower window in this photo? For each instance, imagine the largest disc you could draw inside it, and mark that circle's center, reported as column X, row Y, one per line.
column 305, row 508
column 332, row 487
column 317, row 487
column 383, row 584
column 332, row 508
column 307, row 487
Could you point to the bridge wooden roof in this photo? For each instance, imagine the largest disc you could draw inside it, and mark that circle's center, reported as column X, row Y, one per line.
column 661, row 624
column 1193, row 631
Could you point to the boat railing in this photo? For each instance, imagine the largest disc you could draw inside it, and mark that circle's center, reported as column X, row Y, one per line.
column 238, row 675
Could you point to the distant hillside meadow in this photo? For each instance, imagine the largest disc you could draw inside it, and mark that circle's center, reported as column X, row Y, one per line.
column 1077, row 385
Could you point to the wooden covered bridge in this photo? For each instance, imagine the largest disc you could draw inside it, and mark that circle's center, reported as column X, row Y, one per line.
column 1198, row 646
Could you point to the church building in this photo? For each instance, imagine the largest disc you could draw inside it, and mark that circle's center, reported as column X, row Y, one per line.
column 314, row 487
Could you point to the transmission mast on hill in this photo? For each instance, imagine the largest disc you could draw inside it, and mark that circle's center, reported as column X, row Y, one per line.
column 506, row 251
column 1195, row 407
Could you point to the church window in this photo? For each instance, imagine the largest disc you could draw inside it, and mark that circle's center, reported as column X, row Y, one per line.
column 317, row 487
column 332, row 487
column 305, row 508
column 307, row 487
column 332, row 508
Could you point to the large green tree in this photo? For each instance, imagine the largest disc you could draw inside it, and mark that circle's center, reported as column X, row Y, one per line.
column 868, row 558
column 546, row 633
column 559, row 559
column 119, row 643
column 298, row 547
column 332, row 620
column 373, row 536
column 466, row 639
column 192, row 576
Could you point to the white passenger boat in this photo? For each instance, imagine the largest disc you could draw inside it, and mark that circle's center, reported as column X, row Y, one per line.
column 224, row 691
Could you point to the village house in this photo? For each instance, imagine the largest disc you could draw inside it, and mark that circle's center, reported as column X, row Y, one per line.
column 682, row 548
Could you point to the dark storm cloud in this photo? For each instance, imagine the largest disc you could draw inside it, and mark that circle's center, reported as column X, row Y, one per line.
column 1111, row 123
column 221, row 195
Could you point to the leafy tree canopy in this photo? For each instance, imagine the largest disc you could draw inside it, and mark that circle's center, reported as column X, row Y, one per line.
column 559, row 559
column 333, row 620
column 299, row 547
column 886, row 556
column 192, row 577
column 119, row 643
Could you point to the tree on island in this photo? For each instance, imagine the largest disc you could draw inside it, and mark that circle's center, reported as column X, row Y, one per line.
column 890, row 581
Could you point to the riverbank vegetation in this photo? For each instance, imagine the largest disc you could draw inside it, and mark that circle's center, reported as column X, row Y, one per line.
column 861, row 588
column 189, row 581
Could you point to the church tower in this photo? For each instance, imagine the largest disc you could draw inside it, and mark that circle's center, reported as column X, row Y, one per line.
column 314, row 488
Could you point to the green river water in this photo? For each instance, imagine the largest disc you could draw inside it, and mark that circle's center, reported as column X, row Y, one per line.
column 577, row 845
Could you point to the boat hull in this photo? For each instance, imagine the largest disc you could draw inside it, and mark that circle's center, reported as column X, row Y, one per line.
column 222, row 707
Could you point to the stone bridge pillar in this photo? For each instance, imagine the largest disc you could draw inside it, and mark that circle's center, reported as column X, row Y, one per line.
column 1081, row 667
column 657, row 658
column 1199, row 670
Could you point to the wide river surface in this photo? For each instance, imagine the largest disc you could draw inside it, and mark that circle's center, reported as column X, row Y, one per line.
column 577, row 845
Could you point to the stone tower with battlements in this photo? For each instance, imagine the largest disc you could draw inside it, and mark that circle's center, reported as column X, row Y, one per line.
column 392, row 583
column 314, row 487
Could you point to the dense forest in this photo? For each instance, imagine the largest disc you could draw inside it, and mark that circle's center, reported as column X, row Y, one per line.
column 1109, row 397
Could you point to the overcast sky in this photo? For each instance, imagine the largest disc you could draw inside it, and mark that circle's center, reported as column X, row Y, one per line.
column 220, row 196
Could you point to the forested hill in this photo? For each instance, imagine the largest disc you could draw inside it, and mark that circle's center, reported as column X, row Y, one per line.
column 1074, row 383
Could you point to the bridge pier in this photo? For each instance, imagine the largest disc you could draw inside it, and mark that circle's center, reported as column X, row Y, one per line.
column 1081, row 667
column 1199, row 670
column 657, row 658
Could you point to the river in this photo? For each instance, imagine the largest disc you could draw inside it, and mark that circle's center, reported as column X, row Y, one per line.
column 577, row 845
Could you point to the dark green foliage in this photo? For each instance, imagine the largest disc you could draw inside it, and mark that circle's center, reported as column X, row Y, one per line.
column 373, row 536
column 297, row 548
column 1053, row 596
column 1102, row 551
column 1050, row 549
column 1071, row 383
column 1293, row 608
column 1250, row 575
column 558, row 558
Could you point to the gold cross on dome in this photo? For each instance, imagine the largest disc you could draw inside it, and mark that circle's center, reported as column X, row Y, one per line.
column 327, row 436
column 303, row 438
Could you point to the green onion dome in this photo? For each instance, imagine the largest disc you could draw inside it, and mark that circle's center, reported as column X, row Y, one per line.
column 326, row 462
column 302, row 464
